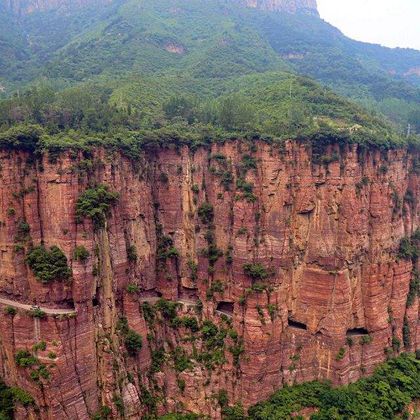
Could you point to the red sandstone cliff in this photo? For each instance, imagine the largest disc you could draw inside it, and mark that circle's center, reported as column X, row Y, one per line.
column 328, row 235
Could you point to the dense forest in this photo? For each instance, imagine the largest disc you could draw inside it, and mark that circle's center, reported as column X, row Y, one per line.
column 200, row 49
column 274, row 106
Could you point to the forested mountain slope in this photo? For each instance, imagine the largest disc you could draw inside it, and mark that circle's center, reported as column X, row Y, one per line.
column 204, row 42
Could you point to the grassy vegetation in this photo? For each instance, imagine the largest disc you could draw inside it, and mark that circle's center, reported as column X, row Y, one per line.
column 132, row 253
column 133, row 342
column 206, row 213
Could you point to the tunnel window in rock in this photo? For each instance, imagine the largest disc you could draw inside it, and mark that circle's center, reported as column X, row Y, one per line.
column 297, row 325
column 225, row 308
column 357, row 331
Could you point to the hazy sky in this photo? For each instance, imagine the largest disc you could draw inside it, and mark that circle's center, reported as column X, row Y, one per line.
column 393, row 23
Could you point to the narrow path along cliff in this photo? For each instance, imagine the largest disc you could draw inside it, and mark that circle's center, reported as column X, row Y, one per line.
column 26, row 307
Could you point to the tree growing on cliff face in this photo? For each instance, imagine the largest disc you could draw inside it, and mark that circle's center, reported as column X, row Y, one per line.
column 256, row 271
column 48, row 265
column 407, row 250
column 95, row 203
column 133, row 342
column 9, row 397
column 81, row 254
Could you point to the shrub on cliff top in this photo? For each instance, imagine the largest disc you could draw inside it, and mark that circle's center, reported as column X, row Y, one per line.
column 95, row 203
column 48, row 265
column 21, row 137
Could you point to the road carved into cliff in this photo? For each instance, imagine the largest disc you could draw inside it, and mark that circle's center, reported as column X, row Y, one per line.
column 26, row 307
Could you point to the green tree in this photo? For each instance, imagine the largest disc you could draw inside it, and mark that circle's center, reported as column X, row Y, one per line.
column 48, row 265
column 95, row 203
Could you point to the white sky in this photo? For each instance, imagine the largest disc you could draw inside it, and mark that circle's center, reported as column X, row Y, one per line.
column 393, row 23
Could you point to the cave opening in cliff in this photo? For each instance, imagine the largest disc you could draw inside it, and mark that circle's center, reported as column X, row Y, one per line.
column 187, row 294
column 225, row 308
column 297, row 325
column 357, row 331
column 95, row 301
column 70, row 303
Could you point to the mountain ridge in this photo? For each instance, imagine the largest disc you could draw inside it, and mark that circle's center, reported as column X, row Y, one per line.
column 206, row 40
column 23, row 7
column 290, row 6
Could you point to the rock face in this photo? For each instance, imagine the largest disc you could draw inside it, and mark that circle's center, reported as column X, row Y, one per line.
column 290, row 6
column 289, row 268
column 20, row 7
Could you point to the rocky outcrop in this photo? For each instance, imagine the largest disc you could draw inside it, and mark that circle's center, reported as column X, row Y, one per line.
column 284, row 267
column 290, row 6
